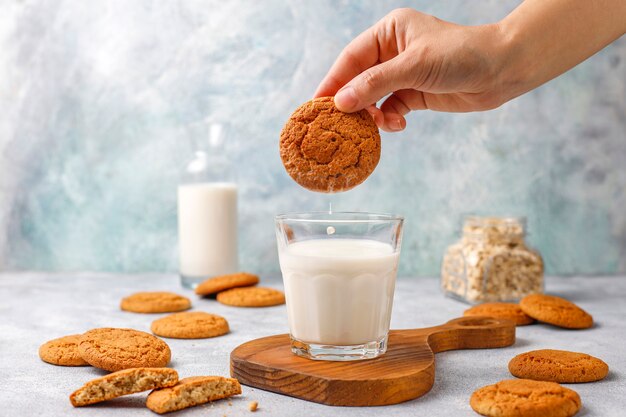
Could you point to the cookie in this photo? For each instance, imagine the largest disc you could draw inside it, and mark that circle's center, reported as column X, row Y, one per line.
column 326, row 150
column 190, row 325
column 192, row 391
column 155, row 302
column 251, row 297
column 62, row 351
column 116, row 349
column 558, row 366
column 226, row 282
column 556, row 311
column 525, row 398
column 127, row 381
column 506, row 311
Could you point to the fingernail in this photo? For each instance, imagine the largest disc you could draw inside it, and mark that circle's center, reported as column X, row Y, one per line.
column 396, row 124
column 346, row 99
column 373, row 114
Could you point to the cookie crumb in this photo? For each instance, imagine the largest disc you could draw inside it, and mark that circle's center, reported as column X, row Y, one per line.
column 253, row 405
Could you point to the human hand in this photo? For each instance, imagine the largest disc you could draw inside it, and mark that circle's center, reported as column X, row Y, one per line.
column 426, row 63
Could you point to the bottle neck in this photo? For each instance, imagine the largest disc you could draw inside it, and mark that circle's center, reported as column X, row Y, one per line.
column 205, row 167
column 210, row 163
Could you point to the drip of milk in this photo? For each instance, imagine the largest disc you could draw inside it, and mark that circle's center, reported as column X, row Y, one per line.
column 339, row 291
column 207, row 227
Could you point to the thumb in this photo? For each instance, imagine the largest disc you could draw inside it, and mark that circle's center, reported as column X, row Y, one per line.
column 372, row 85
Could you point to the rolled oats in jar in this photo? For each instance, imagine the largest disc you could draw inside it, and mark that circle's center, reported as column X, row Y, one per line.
column 491, row 262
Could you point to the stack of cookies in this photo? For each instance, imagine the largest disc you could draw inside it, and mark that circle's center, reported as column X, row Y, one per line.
column 240, row 290
column 537, row 392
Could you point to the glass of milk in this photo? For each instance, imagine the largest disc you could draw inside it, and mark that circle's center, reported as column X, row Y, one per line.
column 207, row 213
column 339, row 272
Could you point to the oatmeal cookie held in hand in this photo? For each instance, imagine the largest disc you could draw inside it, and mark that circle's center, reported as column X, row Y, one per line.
column 326, row 150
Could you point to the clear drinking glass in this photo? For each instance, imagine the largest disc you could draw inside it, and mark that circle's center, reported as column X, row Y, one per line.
column 339, row 272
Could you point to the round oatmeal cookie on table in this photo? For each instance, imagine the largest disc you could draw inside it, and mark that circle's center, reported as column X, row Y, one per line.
column 62, row 351
column 326, row 150
column 556, row 311
column 525, row 398
column 558, row 366
column 190, row 325
column 114, row 349
column 155, row 302
column 251, row 297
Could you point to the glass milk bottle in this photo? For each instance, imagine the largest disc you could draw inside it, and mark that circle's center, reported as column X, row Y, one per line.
column 207, row 213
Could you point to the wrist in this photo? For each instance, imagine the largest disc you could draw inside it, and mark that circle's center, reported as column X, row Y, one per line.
column 511, row 67
column 521, row 68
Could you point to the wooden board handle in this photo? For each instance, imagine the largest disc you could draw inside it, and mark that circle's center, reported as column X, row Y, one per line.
column 467, row 333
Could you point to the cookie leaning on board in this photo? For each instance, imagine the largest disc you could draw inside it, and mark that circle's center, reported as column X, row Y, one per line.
column 508, row 311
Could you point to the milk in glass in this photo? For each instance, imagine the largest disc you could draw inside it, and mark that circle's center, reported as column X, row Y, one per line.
column 339, row 291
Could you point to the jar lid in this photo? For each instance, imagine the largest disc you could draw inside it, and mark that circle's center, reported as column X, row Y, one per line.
column 494, row 226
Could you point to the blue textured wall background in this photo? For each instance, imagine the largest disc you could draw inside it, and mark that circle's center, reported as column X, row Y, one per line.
column 95, row 98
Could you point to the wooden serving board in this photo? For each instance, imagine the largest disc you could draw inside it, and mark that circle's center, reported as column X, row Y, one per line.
column 405, row 372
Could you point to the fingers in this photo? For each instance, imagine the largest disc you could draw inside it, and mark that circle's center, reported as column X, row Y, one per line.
column 377, row 115
column 397, row 105
column 404, row 101
column 393, row 122
column 373, row 84
column 355, row 58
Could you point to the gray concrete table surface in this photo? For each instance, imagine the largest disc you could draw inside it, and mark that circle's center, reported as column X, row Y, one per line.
column 36, row 307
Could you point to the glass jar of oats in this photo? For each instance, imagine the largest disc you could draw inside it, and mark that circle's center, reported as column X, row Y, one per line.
column 491, row 262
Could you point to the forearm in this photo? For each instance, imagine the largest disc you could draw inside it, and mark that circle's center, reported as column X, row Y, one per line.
column 545, row 38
